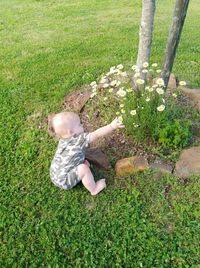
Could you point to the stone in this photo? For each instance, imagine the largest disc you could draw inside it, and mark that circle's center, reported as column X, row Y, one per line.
column 131, row 165
column 196, row 129
column 188, row 163
column 161, row 166
column 193, row 94
column 172, row 84
column 97, row 157
column 76, row 100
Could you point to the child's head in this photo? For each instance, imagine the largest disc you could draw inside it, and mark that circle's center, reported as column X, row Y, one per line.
column 66, row 124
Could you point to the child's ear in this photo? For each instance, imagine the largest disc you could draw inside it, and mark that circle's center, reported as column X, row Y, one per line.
column 69, row 132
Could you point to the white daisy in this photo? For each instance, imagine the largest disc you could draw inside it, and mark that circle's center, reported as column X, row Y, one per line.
column 121, row 93
column 105, row 85
column 145, row 64
column 159, row 90
column 136, row 75
column 124, row 74
column 145, row 71
column 182, row 83
column 137, row 70
column 133, row 112
column 118, row 83
column 103, row 80
column 140, row 81
column 120, row 66
column 154, row 86
column 160, row 82
column 113, row 83
column 134, row 67
column 161, row 108
column 151, row 89
column 93, row 94
column 93, row 83
column 112, row 68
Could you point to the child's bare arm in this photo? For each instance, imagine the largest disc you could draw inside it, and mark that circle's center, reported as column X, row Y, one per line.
column 103, row 131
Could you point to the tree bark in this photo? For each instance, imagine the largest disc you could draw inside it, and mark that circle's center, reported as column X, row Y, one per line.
column 179, row 15
column 146, row 31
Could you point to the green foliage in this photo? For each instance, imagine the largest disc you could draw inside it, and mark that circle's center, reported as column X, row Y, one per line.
column 175, row 134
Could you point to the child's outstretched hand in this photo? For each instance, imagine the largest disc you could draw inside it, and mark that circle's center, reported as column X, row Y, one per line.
column 116, row 123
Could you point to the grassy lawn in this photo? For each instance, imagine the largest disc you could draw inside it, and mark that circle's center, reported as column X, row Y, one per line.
column 49, row 48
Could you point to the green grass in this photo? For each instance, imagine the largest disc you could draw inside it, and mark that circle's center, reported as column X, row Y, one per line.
column 49, row 48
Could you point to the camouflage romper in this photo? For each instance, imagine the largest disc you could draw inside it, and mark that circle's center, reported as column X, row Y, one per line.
column 69, row 154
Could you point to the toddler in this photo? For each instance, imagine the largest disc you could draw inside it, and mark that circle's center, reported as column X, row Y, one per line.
column 69, row 166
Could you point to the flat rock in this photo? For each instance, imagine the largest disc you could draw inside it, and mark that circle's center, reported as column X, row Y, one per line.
column 76, row 100
column 131, row 165
column 193, row 94
column 161, row 166
column 172, row 84
column 97, row 157
column 196, row 130
column 188, row 163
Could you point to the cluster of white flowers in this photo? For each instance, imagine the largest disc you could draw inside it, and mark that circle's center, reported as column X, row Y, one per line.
column 94, row 89
column 111, row 83
column 158, row 86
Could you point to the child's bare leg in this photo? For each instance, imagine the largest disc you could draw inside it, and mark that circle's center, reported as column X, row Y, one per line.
column 87, row 178
column 87, row 163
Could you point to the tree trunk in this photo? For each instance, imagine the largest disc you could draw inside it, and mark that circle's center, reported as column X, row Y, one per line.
column 146, row 30
column 179, row 15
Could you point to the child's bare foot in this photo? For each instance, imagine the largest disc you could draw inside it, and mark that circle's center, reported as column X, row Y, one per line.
column 100, row 185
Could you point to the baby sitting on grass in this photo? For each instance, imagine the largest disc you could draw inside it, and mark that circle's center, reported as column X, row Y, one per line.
column 69, row 166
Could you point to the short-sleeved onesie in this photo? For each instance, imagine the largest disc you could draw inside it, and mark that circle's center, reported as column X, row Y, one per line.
column 69, row 154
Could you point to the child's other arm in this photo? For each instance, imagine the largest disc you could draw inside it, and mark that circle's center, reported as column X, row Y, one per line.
column 103, row 131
